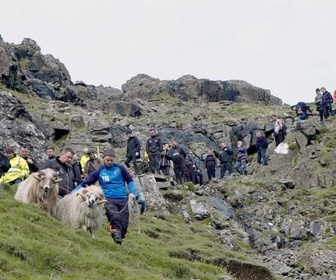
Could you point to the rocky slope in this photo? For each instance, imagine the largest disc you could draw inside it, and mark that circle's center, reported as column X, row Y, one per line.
column 284, row 213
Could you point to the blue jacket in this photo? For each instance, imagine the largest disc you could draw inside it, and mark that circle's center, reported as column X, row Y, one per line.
column 112, row 180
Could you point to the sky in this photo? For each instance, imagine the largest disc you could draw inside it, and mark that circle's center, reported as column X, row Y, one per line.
column 286, row 46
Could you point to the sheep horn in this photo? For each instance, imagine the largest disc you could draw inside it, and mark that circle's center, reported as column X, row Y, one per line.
column 39, row 176
column 102, row 201
column 81, row 195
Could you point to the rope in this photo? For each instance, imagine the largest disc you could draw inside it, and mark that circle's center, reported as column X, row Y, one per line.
column 135, row 212
column 132, row 205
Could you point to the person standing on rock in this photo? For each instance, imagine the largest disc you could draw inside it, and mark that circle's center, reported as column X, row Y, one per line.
column 133, row 149
column 153, row 149
column 225, row 159
column 318, row 103
column 241, row 162
column 261, row 147
column 165, row 161
column 177, row 154
column 190, row 167
column 327, row 101
column 279, row 131
column 210, row 165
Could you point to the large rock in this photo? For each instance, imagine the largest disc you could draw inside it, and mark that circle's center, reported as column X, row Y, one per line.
column 154, row 198
column 9, row 69
column 188, row 87
column 42, row 67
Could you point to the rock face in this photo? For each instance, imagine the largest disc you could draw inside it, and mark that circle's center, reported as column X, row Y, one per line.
column 25, row 68
column 188, row 87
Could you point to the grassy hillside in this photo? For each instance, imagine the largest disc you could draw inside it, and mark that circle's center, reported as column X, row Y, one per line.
column 36, row 246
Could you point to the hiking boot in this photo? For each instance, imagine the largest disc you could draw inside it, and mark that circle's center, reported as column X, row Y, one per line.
column 116, row 235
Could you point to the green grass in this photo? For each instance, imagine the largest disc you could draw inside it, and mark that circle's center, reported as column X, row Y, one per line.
column 36, row 246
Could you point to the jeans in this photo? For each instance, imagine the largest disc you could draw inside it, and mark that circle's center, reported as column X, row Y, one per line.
column 241, row 166
column 140, row 197
column 262, row 155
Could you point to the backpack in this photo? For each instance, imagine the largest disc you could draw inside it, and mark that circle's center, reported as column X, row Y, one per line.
column 4, row 164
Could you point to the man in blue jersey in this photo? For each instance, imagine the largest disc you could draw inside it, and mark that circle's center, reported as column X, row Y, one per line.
column 112, row 178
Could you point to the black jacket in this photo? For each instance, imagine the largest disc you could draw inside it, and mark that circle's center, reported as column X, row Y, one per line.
column 225, row 155
column 77, row 173
column 261, row 143
column 154, row 144
column 65, row 172
column 4, row 164
column 176, row 154
column 133, row 146
column 210, row 161
column 327, row 98
column 33, row 167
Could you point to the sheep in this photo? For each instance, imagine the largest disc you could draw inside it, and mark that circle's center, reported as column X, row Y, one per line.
column 40, row 188
column 82, row 209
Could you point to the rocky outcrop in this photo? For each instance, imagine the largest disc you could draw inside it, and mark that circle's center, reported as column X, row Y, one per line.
column 25, row 68
column 189, row 87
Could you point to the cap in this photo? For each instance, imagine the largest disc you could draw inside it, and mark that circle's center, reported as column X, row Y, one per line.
column 109, row 152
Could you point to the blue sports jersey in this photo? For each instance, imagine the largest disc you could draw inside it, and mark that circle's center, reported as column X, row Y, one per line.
column 112, row 180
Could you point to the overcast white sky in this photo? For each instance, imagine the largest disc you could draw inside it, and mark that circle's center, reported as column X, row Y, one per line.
column 287, row 46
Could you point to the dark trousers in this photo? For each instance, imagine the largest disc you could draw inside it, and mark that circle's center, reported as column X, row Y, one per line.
column 118, row 214
column 154, row 162
column 199, row 177
column 225, row 166
column 320, row 110
column 211, row 172
column 179, row 171
column 132, row 159
column 327, row 110
column 279, row 137
column 165, row 170
column 190, row 174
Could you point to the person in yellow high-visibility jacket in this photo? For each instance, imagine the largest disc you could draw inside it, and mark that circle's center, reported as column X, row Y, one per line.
column 84, row 159
column 19, row 168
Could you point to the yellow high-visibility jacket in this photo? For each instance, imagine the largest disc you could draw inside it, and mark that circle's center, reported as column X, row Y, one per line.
column 84, row 159
column 19, row 169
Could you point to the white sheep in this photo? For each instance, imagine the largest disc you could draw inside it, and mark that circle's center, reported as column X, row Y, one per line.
column 40, row 188
column 82, row 209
